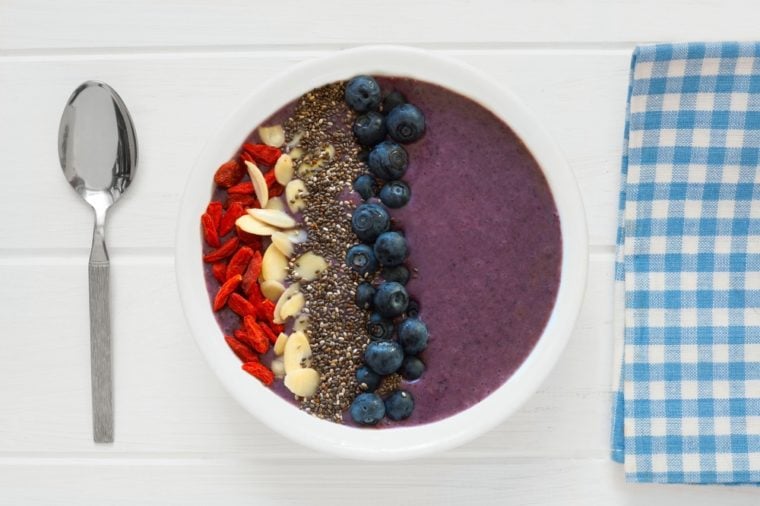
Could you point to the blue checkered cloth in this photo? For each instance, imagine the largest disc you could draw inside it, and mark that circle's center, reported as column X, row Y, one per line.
column 687, row 320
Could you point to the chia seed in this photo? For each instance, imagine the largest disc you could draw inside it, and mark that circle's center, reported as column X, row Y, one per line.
column 337, row 326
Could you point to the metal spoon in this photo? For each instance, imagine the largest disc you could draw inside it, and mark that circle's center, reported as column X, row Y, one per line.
column 98, row 152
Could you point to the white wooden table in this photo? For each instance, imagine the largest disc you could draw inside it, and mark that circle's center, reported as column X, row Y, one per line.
column 182, row 66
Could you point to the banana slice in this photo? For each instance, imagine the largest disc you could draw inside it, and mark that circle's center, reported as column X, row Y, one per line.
column 283, row 169
column 294, row 192
column 279, row 345
column 293, row 306
column 278, row 368
column 296, row 350
column 272, row 289
column 301, row 323
column 309, row 266
column 302, row 382
column 274, row 265
column 286, row 295
column 259, row 184
column 272, row 135
column 283, row 243
column 279, row 219
column 276, row 203
column 296, row 153
column 248, row 223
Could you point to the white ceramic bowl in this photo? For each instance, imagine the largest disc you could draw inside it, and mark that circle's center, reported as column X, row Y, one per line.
column 390, row 443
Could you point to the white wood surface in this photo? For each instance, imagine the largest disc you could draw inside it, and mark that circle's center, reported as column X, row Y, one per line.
column 181, row 67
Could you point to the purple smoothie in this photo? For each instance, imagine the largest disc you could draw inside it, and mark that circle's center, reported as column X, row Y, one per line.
column 484, row 239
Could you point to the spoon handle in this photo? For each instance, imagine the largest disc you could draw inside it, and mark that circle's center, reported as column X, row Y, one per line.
column 100, row 336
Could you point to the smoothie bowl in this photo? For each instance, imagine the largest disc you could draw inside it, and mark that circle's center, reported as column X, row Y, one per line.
column 390, row 256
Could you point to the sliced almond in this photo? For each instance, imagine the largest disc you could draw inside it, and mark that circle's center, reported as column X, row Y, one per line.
column 248, row 223
column 296, row 153
column 286, row 295
column 309, row 266
column 295, row 141
column 283, row 243
column 278, row 367
column 276, row 203
column 279, row 345
column 259, row 183
column 296, row 235
column 293, row 306
column 272, row 135
column 274, row 265
column 283, row 169
column 272, row 289
column 273, row 217
column 296, row 350
column 301, row 323
column 302, row 382
column 329, row 150
column 294, row 192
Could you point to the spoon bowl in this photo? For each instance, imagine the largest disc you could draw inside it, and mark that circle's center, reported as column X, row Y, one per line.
column 97, row 148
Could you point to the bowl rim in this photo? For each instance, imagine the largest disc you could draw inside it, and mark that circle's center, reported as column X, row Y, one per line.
column 389, row 443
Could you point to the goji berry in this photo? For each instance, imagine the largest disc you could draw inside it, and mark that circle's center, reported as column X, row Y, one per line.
column 225, row 291
column 234, row 211
column 256, row 337
column 210, row 235
column 247, row 201
column 239, row 262
column 223, row 252
column 261, row 153
column 215, row 210
column 244, row 188
column 229, row 174
column 246, row 157
column 277, row 328
column 276, row 190
column 259, row 371
column 255, row 296
column 251, row 240
column 240, row 335
column 241, row 350
column 239, row 305
column 252, row 272
column 219, row 270
column 269, row 333
column 265, row 311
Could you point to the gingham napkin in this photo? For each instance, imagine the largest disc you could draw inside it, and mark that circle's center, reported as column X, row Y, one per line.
column 688, row 267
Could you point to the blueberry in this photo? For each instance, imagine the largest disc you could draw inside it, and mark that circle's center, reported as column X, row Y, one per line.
column 395, row 194
column 390, row 249
column 369, row 221
column 383, row 357
column 413, row 309
column 388, row 160
column 399, row 274
column 364, row 185
column 393, row 99
column 369, row 128
column 369, row 377
column 361, row 259
column 391, row 299
column 399, row 405
column 364, row 295
column 413, row 335
column 405, row 123
column 362, row 93
column 367, row 409
column 412, row 368
column 379, row 328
